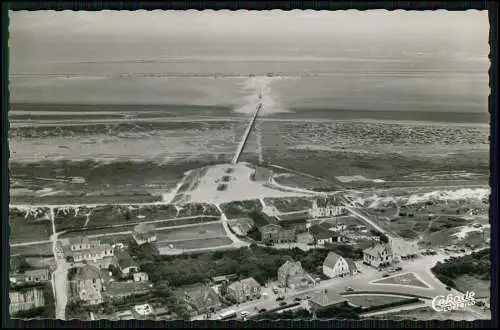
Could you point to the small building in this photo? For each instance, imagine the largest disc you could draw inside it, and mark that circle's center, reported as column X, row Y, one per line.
column 325, row 299
column 244, row 290
column 338, row 266
column 143, row 312
column 79, row 243
column 379, row 256
column 125, row 263
column 144, row 233
column 292, row 275
column 87, row 285
column 141, row 277
column 224, row 278
column 305, row 238
column 37, row 275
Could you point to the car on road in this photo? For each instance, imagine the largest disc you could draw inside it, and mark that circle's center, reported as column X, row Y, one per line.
column 385, row 275
column 349, row 289
column 244, row 313
column 398, row 269
column 297, row 299
column 275, row 290
column 262, row 310
column 448, row 288
column 283, row 303
column 280, row 298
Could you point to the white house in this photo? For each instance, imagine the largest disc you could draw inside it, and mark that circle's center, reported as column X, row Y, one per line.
column 380, row 255
column 338, row 266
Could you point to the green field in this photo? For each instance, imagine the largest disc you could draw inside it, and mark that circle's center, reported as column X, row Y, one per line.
column 373, row 300
column 44, row 249
column 29, row 227
column 241, row 209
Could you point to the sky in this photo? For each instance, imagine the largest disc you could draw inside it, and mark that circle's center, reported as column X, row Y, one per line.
column 108, row 43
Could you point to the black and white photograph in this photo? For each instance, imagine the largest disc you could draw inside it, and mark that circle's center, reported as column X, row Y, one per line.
column 249, row 165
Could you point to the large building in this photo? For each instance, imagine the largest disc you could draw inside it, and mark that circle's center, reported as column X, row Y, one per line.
column 82, row 249
column 338, row 266
column 86, row 283
column 326, row 206
column 244, row 290
column 144, row 233
column 273, row 233
column 379, row 256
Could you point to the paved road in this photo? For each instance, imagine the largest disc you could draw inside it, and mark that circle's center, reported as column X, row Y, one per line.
column 421, row 267
column 59, row 276
column 229, row 233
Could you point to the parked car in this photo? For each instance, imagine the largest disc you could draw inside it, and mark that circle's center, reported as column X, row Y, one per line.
column 297, row 299
column 283, row 303
column 244, row 313
column 448, row 288
column 280, row 298
column 398, row 269
column 349, row 289
column 262, row 310
column 275, row 290
column 385, row 275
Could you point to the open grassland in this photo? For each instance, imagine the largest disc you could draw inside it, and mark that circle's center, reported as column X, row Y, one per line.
column 289, row 204
column 29, row 225
column 403, row 279
column 364, row 301
column 203, row 231
column 241, row 209
column 42, row 249
column 199, row 243
column 120, row 215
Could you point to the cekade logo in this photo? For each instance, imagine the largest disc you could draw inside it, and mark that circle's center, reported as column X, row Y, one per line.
column 453, row 302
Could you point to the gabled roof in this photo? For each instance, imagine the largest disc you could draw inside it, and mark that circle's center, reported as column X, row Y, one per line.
column 124, row 260
column 288, row 265
column 331, row 260
column 86, row 272
column 378, row 249
column 79, row 240
column 352, row 265
column 37, row 272
column 320, row 232
column 250, row 281
column 144, row 228
column 326, row 298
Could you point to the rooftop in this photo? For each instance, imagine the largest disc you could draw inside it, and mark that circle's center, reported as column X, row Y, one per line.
column 378, row 250
column 124, row 260
column 144, row 228
column 326, row 298
column 86, row 273
column 78, row 240
column 37, row 272
column 331, row 259
column 320, row 232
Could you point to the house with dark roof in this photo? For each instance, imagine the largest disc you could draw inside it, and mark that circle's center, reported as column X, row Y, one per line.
column 325, row 299
column 338, row 266
column 126, row 263
column 292, row 275
column 294, row 220
column 144, row 233
column 244, row 290
column 322, row 235
column 378, row 256
column 200, row 297
column 86, row 283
